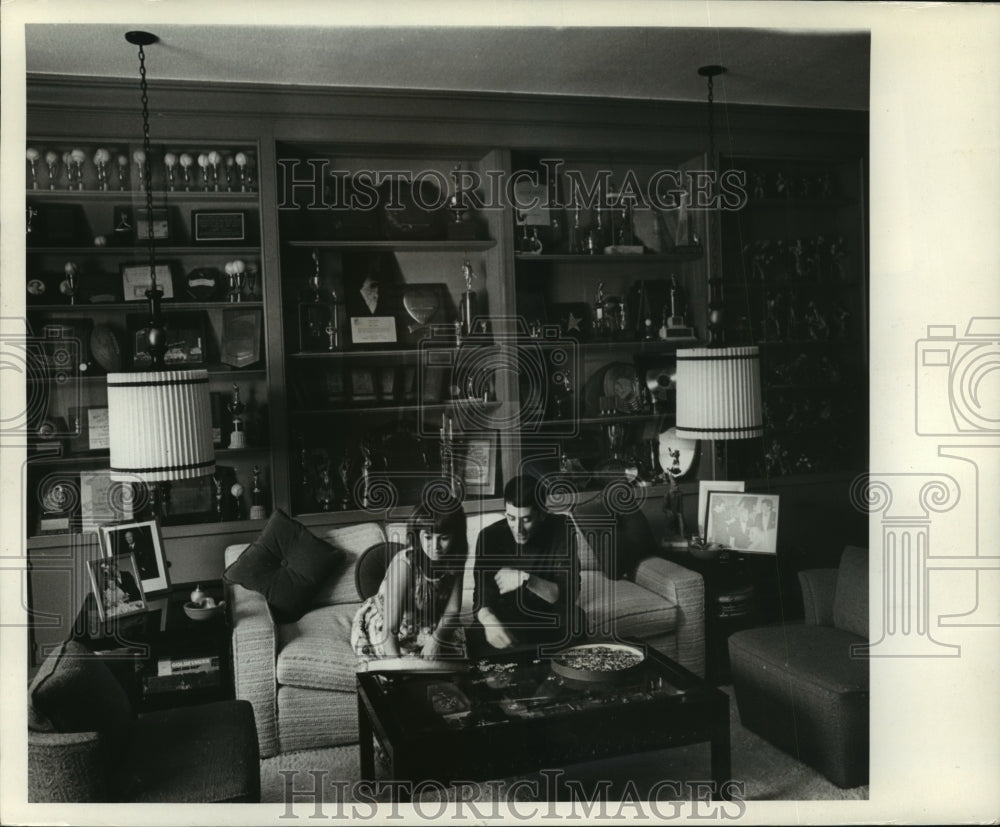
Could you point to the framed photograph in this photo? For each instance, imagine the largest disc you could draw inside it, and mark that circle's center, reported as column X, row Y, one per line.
column 102, row 500
column 241, row 337
column 58, row 502
column 161, row 224
column 117, row 587
column 90, row 429
column 141, row 540
column 216, row 227
column 135, row 281
column 477, row 465
column 743, row 522
column 186, row 337
column 705, row 488
column 191, row 500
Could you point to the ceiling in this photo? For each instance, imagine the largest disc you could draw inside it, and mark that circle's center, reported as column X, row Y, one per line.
column 765, row 66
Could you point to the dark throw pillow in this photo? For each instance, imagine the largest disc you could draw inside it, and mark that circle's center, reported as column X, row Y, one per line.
column 631, row 541
column 372, row 565
column 74, row 691
column 287, row 564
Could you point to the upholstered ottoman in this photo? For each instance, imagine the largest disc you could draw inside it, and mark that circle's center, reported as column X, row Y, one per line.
column 804, row 687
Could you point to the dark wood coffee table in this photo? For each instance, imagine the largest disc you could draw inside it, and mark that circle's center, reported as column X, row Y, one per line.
column 520, row 717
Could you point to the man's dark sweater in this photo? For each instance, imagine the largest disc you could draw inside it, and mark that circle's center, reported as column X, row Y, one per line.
column 548, row 555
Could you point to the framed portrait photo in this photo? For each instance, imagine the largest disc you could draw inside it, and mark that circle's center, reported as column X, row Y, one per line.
column 135, row 281
column 743, row 522
column 477, row 465
column 705, row 488
column 117, row 587
column 143, row 541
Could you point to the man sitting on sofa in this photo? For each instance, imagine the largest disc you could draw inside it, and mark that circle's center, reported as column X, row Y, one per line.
column 527, row 578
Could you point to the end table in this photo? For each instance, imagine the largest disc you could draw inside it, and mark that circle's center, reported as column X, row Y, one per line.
column 161, row 657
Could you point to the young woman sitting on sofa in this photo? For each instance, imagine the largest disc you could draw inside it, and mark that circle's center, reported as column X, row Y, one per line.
column 415, row 612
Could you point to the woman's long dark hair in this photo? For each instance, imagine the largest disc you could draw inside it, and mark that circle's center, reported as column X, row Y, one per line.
column 436, row 576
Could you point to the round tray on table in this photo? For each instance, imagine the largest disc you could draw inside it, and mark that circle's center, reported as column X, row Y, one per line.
column 598, row 662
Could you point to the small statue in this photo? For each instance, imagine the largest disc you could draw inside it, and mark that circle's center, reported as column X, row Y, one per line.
column 258, row 511
column 238, row 438
column 344, row 471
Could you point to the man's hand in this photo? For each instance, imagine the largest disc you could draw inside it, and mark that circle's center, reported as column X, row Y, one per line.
column 509, row 580
column 498, row 637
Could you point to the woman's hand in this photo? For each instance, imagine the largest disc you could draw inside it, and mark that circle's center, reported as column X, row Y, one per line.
column 432, row 648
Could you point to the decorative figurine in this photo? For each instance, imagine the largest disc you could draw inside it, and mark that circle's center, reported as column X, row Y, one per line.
column 258, row 511
column 238, row 438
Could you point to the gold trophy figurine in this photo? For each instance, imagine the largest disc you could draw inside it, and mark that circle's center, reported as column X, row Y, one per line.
column 258, row 511
column 238, row 438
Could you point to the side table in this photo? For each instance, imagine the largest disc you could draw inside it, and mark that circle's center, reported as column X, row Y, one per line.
column 730, row 604
column 161, row 657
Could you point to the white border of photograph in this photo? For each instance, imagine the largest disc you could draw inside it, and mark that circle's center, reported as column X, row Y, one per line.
column 766, row 541
column 705, row 488
column 110, row 547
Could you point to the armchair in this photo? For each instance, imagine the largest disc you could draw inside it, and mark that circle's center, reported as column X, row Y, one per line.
column 86, row 744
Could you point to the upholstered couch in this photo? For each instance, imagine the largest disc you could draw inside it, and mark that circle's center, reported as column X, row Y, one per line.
column 804, row 686
column 300, row 675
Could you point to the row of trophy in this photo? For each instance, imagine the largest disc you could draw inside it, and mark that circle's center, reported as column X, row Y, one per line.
column 107, row 169
column 784, row 184
column 790, row 317
column 817, row 259
column 229, row 495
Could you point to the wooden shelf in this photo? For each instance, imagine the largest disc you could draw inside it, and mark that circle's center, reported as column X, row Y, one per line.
column 168, row 306
column 443, row 245
column 159, row 194
column 401, row 408
column 162, row 250
column 619, row 259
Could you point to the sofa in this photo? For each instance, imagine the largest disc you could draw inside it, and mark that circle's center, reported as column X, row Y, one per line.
column 299, row 674
column 805, row 686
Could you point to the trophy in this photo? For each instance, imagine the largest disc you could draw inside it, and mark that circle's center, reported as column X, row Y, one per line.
column 186, row 161
column 170, row 163
column 236, row 270
column 122, row 172
column 230, row 163
column 468, row 308
column 33, row 155
column 674, row 326
column 238, row 438
column 68, row 286
column 52, row 163
column 314, row 281
column 30, row 214
column 461, row 227
column 217, row 479
column 214, row 159
column 344, row 472
column 140, row 166
column 366, row 471
column 77, row 157
column 236, row 491
column 244, row 171
column 258, row 511
column 203, row 165
column 102, row 161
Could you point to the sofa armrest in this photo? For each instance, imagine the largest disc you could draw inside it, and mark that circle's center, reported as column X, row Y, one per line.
column 254, row 662
column 818, row 589
column 67, row 767
column 687, row 590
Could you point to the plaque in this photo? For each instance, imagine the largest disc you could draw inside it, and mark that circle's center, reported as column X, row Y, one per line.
column 212, row 227
column 371, row 330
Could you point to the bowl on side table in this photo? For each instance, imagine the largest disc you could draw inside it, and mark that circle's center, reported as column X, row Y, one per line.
column 199, row 611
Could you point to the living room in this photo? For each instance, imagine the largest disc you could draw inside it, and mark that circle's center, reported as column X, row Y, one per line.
column 561, row 258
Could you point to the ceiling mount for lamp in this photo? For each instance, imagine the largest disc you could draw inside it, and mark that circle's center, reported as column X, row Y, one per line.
column 141, row 38
column 714, row 70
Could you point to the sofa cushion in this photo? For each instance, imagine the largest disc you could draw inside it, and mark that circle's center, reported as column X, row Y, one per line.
column 624, row 609
column 287, row 564
column 850, row 602
column 611, row 543
column 315, row 651
column 351, row 540
column 372, row 566
column 74, row 691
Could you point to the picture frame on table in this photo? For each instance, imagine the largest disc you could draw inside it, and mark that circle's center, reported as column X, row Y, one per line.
column 477, row 465
column 141, row 539
column 135, row 280
column 747, row 523
column 705, row 489
column 117, row 586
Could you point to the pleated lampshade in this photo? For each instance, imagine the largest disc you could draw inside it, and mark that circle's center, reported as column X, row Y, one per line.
column 160, row 426
column 718, row 393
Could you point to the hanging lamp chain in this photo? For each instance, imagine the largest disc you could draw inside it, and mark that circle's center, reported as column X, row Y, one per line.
column 148, row 185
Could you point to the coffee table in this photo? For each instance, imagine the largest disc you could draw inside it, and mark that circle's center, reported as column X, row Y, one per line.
column 500, row 719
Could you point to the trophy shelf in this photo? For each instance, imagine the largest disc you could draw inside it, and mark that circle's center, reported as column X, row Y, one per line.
column 437, row 246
